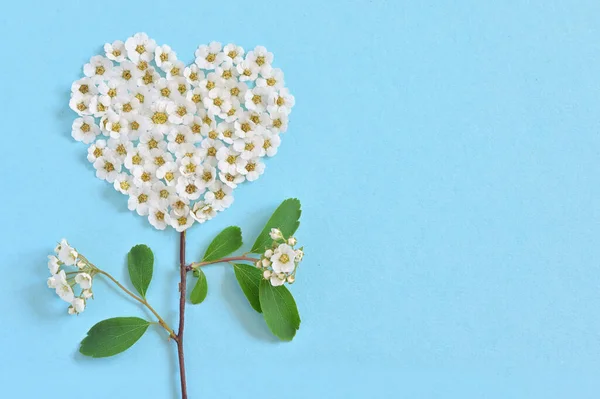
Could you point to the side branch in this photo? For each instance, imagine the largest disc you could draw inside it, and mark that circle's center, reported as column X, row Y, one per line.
column 244, row 258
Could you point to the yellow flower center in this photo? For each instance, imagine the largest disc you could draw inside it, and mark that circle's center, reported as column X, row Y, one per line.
column 246, row 127
column 207, row 176
column 227, row 133
column 250, row 167
column 109, row 167
column 148, row 78
column 165, row 92
column 207, row 120
column 196, row 98
column 142, row 198
column 213, row 135
column 267, row 144
column 116, row 52
column 280, row 101
column 193, row 76
column 101, row 107
column 152, row 144
column 247, row 72
column 140, row 49
column 284, row 258
column 112, row 93
column 142, row 65
column 164, row 57
column 255, row 118
column 231, row 159
column 256, row 99
column 159, row 118
column 211, row 57
column 212, row 151
column 220, row 194
column 126, row 74
column 124, row 185
column 81, row 106
column 260, row 60
column 181, row 111
column 135, row 125
column 191, row 189
column 97, row 152
column 160, row 161
column 160, row 216
column 226, row 74
column 175, row 71
column 218, row 102
column 181, row 88
column 169, row 176
column 182, row 221
column 196, row 128
column 121, row 150
column 190, row 168
column 100, row 70
column 140, row 97
column 232, row 54
column 180, row 138
column 85, row 128
column 136, row 159
column 235, row 91
column 164, row 194
column 210, row 85
column 127, row 107
column 83, row 89
column 146, row 177
column 249, row 146
column 271, row 81
column 277, row 123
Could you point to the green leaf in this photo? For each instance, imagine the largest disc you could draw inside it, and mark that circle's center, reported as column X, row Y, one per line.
column 249, row 278
column 279, row 310
column 286, row 218
column 141, row 264
column 200, row 290
column 224, row 243
column 113, row 336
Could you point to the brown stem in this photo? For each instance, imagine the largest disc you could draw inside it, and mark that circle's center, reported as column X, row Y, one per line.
column 182, row 286
column 222, row 260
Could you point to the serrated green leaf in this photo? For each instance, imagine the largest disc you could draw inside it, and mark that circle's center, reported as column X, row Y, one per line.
column 140, row 262
column 224, row 243
column 200, row 290
column 112, row 336
column 286, row 218
column 279, row 310
column 249, row 278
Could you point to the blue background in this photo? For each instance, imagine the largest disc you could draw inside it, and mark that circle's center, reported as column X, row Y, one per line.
column 447, row 159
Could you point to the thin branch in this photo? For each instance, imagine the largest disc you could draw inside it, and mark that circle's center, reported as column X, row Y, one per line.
column 182, row 287
column 142, row 301
column 196, row 265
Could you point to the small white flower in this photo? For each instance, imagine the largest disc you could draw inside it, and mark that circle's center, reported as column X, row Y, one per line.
column 84, row 280
column 271, row 78
column 148, row 78
column 85, row 129
column 136, row 125
column 140, row 199
column 283, row 259
column 98, row 68
column 86, row 294
column 211, row 81
column 107, row 167
column 127, row 105
column 175, row 70
column 231, row 179
column 115, row 51
column 203, row 212
column 164, row 194
column 143, row 177
column 96, row 150
column 80, row 103
column 279, row 121
column 64, row 291
column 210, row 148
column 66, row 253
column 180, row 206
column 233, row 53
column 218, row 101
column 245, row 127
column 99, row 106
column 208, row 57
column 120, row 147
column 116, row 124
column 181, row 112
column 123, row 183
column 189, row 187
column 188, row 166
column 248, row 71
column 127, row 73
column 164, row 56
column 281, row 101
column 249, row 147
column 84, row 86
column 227, row 157
column 299, row 255
column 77, row 306
column 57, row 279
column 145, row 96
column 181, row 222
column 236, row 89
column 193, row 74
column 53, row 264
column 257, row 99
column 134, row 158
column 169, row 172
column 178, row 136
column 252, row 168
column 219, row 195
column 159, row 217
column 226, row 132
column 152, row 140
column 261, row 58
column 140, row 47
column 270, row 144
column 227, row 71
column 157, row 158
column 167, row 89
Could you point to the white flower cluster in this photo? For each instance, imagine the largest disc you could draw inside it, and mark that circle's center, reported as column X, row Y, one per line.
column 280, row 262
column 178, row 139
column 65, row 282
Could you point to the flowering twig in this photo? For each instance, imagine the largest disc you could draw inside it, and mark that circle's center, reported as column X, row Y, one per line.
column 144, row 302
column 182, row 286
column 196, row 265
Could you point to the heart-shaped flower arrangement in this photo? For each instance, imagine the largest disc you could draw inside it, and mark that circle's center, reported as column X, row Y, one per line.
column 178, row 139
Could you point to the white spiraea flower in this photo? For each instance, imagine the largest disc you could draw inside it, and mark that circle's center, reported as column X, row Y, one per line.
column 178, row 139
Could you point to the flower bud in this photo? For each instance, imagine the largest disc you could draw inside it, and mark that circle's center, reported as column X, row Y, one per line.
column 266, row 262
column 268, row 253
column 267, row 274
column 276, row 234
column 291, row 279
column 292, row 241
column 299, row 255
